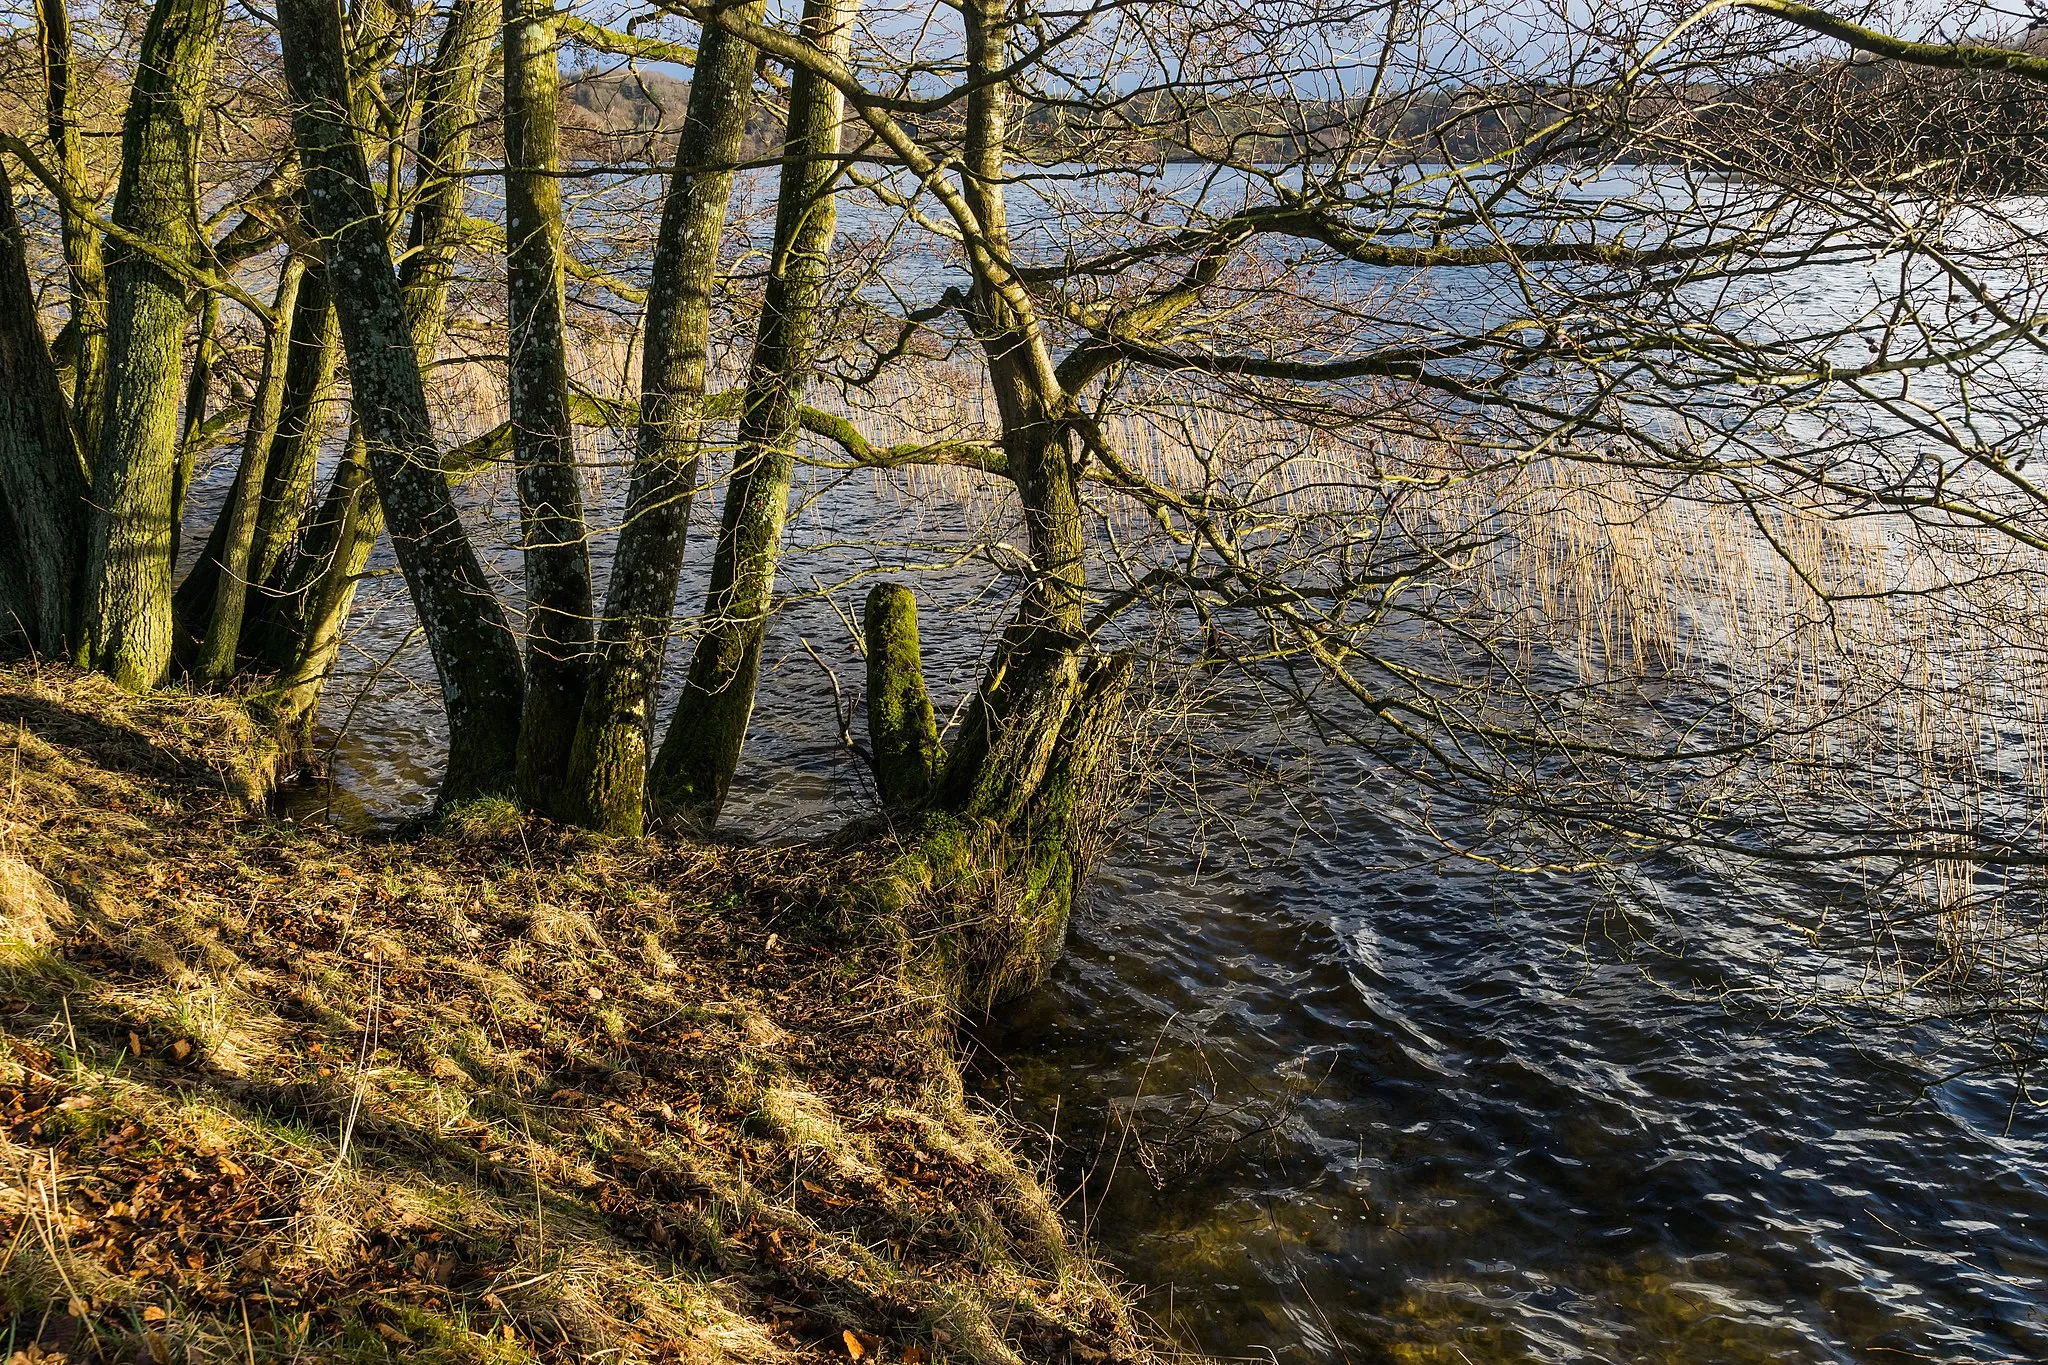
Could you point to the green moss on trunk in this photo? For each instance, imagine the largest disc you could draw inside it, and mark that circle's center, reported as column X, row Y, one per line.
column 127, row 602
column 903, row 732
column 42, row 483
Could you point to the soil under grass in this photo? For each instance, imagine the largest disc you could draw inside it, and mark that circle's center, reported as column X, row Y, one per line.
column 495, row 1091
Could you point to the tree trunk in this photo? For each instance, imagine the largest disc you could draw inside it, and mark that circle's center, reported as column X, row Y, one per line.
column 695, row 768
column 84, row 272
column 198, row 388
column 1012, row 818
column 305, row 416
column 235, row 535
column 127, row 617
column 555, row 541
column 475, row 654
column 317, row 587
column 42, row 482
column 903, row 733
column 448, row 105
column 609, row 764
column 1004, row 827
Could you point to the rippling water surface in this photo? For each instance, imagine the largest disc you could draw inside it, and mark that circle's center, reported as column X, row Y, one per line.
column 1341, row 1109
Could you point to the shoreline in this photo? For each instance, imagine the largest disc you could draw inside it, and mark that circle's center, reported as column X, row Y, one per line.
column 492, row 1091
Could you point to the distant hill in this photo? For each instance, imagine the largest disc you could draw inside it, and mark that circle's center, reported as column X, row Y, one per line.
column 620, row 113
column 1881, row 122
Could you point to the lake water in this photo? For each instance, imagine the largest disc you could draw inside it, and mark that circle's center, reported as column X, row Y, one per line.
column 1332, row 1097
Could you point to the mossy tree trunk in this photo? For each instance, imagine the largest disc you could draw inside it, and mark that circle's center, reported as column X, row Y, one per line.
column 316, row 587
column 903, row 731
column 84, row 271
column 475, row 654
column 234, row 539
column 42, row 481
column 1012, row 815
column 609, row 766
column 694, row 770
column 552, row 529
column 1003, row 827
column 312, row 344
column 127, row 629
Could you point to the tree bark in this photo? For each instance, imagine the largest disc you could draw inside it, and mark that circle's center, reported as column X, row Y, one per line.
column 127, row 618
column 1005, row 827
column 312, row 345
column 609, row 766
column 475, row 654
column 85, row 273
column 695, row 768
column 235, row 537
column 42, row 481
column 448, row 115
column 555, row 539
column 198, row 389
column 316, row 588
column 903, row 732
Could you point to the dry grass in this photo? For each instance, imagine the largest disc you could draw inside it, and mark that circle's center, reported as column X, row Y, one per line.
column 492, row 1093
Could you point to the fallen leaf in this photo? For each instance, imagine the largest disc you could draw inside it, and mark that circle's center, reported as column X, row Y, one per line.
column 154, row 1314
column 78, row 1308
column 134, row 1043
column 181, row 1049
column 913, row 1354
column 853, row 1346
column 393, row 1335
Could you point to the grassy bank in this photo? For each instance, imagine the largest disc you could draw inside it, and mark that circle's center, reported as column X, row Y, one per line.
column 491, row 1093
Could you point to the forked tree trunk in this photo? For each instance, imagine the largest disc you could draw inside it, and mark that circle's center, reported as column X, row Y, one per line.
column 1012, row 816
column 1003, row 827
column 613, row 738
column 555, row 541
column 475, row 654
column 235, row 531
column 695, row 768
column 42, row 481
column 85, row 274
column 127, row 602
